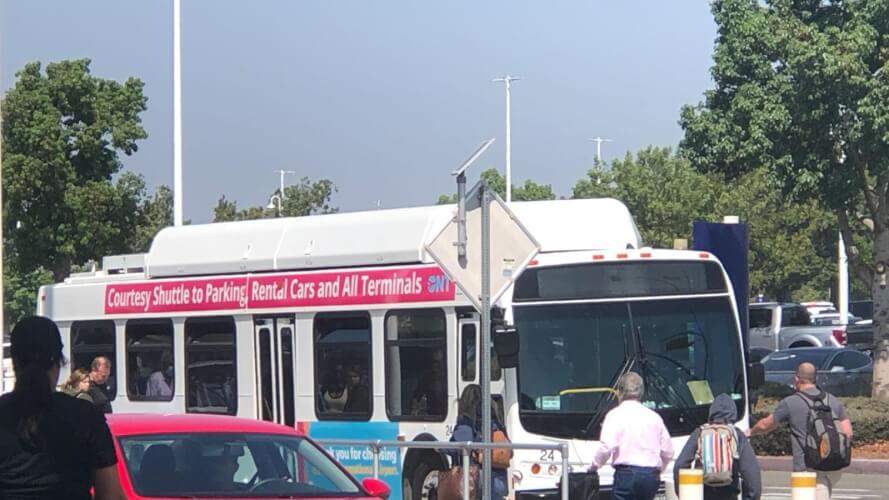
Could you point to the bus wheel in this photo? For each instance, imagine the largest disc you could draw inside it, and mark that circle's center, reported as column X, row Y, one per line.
column 424, row 482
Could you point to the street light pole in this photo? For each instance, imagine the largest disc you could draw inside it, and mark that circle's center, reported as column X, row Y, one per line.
column 599, row 141
column 177, row 114
column 281, row 184
column 277, row 200
column 507, row 80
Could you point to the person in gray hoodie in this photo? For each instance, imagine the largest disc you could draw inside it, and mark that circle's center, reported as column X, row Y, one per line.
column 746, row 469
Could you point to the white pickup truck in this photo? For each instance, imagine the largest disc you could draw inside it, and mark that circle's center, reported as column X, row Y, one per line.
column 776, row 325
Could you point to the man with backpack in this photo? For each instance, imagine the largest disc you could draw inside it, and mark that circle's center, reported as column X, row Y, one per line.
column 821, row 432
column 723, row 453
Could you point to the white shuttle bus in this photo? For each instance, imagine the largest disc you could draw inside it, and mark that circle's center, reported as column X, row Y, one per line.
column 343, row 326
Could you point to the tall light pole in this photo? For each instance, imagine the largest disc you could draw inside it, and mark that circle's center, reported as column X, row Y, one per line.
column 278, row 199
column 2, row 303
column 177, row 114
column 507, row 80
column 599, row 141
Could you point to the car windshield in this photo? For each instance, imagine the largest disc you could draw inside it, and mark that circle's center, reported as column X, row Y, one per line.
column 570, row 355
column 200, row 465
column 788, row 361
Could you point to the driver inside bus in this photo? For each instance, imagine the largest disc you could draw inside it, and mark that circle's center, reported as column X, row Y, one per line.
column 544, row 374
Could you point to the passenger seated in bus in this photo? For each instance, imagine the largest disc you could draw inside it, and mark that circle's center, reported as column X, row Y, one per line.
column 334, row 394
column 358, row 393
column 430, row 397
column 160, row 382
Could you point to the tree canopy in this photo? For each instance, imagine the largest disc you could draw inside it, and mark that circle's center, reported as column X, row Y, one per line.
column 801, row 91
column 304, row 198
column 63, row 133
column 791, row 252
column 529, row 191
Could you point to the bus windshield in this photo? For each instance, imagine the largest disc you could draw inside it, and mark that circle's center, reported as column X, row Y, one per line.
column 571, row 354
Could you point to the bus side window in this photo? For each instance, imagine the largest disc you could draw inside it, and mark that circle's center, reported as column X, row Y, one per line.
column 210, row 374
column 467, row 354
column 343, row 366
column 416, row 365
column 90, row 339
column 150, row 372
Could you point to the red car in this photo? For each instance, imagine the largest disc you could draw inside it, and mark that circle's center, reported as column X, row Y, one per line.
column 204, row 456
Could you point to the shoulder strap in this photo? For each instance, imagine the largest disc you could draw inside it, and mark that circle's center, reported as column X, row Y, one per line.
column 809, row 400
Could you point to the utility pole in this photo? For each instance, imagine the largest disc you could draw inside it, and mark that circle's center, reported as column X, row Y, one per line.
column 599, row 141
column 177, row 113
column 507, row 80
column 277, row 200
column 2, row 302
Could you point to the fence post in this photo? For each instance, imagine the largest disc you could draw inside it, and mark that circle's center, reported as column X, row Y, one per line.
column 691, row 484
column 802, row 485
column 376, row 451
column 466, row 473
column 566, row 486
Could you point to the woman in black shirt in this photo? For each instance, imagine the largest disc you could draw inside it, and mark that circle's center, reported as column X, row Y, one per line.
column 51, row 445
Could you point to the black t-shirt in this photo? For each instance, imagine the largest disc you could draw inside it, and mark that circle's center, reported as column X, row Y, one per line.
column 101, row 397
column 75, row 441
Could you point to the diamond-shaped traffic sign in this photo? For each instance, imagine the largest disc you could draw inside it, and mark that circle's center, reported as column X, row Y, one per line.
column 512, row 248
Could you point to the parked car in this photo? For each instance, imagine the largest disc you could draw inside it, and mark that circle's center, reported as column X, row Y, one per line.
column 818, row 307
column 832, row 317
column 779, row 326
column 211, row 456
column 860, row 336
column 756, row 354
column 842, row 372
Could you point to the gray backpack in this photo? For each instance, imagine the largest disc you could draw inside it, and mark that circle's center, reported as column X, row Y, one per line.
column 825, row 447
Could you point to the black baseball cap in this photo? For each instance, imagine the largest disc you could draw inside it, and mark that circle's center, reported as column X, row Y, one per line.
column 36, row 339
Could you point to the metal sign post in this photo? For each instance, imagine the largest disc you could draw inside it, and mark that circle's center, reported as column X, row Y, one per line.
column 483, row 268
column 485, row 340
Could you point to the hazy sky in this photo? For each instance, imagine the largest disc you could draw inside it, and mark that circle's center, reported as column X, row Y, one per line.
column 382, row 97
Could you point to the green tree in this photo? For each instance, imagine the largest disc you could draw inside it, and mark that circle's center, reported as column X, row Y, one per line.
column 305, row 198
column 664, row 194
column 63, row 132
column 800, row 90
column 529, row 191
column 789, row 242
column 154, row 214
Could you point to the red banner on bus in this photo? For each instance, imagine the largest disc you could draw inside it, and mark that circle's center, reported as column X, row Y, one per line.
column 339, row 288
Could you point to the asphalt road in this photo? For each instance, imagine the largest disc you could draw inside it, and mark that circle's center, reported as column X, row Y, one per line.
column 776, row 486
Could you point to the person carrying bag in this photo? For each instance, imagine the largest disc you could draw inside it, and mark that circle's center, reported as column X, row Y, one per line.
column 468, row 429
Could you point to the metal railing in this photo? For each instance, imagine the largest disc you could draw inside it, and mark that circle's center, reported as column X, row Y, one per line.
column 465, row 449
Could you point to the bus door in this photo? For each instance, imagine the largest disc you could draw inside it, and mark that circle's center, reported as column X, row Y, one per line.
column 274, row 369
column 469, row 335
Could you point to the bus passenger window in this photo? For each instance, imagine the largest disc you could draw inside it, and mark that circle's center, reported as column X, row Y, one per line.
column 89, row 340
column 343, row 366
column 467, row 357
column 416, row 366
column 150, row 360
column 210, row 375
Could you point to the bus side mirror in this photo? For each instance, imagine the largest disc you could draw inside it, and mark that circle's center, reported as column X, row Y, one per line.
column 756, row 375
column 506, row 345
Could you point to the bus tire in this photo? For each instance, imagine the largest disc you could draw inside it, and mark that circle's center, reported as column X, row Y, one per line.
column 424, row 481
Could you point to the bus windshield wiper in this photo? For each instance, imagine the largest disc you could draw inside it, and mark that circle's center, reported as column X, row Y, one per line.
column 666, row 389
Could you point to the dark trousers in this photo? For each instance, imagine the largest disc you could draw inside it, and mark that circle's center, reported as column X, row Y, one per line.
column 634, row 483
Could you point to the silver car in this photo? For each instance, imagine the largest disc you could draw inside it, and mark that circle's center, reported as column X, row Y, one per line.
column 841, row 371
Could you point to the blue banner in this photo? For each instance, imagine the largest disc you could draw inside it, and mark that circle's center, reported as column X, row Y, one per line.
column 729, row 243
column 359, row 459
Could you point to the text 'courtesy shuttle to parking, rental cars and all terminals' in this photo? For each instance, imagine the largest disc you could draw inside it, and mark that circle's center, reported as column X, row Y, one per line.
column 343, row 325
